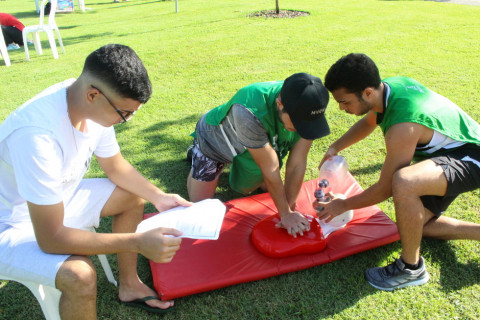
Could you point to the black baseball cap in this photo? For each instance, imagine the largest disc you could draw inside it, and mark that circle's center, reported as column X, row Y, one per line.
column 305, row 99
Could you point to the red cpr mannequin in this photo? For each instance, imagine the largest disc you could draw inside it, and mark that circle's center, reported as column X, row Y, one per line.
column 277, row 243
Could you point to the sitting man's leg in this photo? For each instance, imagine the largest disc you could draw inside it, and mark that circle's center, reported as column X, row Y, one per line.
column 127, row 210
column 22, row 259
column 76, row 277
column 203, row 178
column 77, row 280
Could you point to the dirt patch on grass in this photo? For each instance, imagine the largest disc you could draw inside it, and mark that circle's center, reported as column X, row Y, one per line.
column 281, row 14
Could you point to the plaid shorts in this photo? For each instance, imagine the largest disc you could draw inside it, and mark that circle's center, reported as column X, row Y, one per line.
column 204, row 168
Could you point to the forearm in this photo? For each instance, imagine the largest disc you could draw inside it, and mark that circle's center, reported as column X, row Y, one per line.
column 400, row 142
column 132, row 181
column 275, row 187
column 125, row 176
column 374, row 194
column 293, row 182
column 359, row 131
column 82, row 242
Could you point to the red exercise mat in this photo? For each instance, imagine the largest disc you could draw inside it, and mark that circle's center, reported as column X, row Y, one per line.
column 204, row 265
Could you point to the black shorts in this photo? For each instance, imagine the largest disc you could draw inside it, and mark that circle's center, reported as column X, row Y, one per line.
column 462, row 170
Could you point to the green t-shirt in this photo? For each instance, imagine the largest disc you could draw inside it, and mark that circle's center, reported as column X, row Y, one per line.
column 260, row 99
column 410, row 101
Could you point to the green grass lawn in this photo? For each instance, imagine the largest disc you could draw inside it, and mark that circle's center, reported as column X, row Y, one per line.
column 197, row 59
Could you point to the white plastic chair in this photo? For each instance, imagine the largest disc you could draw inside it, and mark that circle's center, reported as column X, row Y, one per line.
column 3, row 50
column 49, row 297
column 80, row 3
column 44, row 27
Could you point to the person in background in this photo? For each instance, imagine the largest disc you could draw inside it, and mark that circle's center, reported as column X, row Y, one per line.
column 12, row 30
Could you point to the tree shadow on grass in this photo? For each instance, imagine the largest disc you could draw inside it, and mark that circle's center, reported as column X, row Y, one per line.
column 454, row 275
column 173, row 173
column 165, row 150
column 26, row 14
column 375, row 167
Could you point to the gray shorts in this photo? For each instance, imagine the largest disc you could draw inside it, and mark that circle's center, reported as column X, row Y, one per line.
column 462, row 170
column 204, row 168
column 20, row 256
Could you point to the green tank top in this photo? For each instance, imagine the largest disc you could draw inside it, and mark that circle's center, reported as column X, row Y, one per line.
column 260, row 99
column 410, row 101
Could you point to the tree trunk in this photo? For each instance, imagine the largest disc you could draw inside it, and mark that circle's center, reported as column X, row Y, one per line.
column 277, row 10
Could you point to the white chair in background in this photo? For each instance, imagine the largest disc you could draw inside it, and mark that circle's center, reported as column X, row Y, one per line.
column 49, row 297
column 3, row 50
column 80, row 3
column 48, row 28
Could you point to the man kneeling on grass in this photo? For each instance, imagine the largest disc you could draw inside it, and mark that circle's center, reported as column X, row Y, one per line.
column 415, row 122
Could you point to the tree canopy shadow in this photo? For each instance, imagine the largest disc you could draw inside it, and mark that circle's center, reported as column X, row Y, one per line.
column 454, row 274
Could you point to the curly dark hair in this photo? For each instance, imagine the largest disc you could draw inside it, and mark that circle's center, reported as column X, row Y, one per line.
column 120, row 68
column 354, row 72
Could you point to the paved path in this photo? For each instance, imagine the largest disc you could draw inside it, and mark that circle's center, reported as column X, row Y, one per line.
column 469, row 2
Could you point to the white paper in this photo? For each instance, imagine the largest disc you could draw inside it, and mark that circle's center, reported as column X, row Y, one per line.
column 202, row 220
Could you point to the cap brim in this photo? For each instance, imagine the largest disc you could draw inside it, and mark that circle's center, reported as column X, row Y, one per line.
column 313, row 129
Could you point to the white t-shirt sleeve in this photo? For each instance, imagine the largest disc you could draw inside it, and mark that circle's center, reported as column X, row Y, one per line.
column 37, row 165
column 107, row 145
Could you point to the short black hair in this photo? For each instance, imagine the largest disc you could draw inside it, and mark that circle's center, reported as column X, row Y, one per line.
column 354, row 72
column 120, row 68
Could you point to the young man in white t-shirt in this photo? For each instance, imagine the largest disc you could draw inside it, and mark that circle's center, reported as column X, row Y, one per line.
column 46, row 205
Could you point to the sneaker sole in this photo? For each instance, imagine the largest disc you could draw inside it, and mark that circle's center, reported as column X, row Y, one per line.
column 407, row 284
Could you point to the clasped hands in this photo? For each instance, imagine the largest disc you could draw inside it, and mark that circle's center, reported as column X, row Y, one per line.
column 296, row 223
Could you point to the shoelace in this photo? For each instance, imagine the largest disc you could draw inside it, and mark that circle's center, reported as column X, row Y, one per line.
column 391, row 268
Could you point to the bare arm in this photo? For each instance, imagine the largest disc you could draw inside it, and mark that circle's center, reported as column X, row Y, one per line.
column 400, row 141
column 124, row 175
column 53, row 237
column 359, row 131
column 295, row 170
column 266, row 159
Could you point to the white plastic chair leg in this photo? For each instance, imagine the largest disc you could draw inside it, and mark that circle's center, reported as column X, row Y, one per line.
column 53, row 45
column 59, row 37
column 25, row 45
column 37, row 43
column 81, row 5
column 107, row 269
column 3, row 50
column 47, row 297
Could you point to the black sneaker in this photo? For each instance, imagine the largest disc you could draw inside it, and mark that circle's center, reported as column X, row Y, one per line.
column 190, row 153
column 395, row 276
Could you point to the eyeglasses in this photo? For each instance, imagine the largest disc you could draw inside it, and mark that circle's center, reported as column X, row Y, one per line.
column 126, row 115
